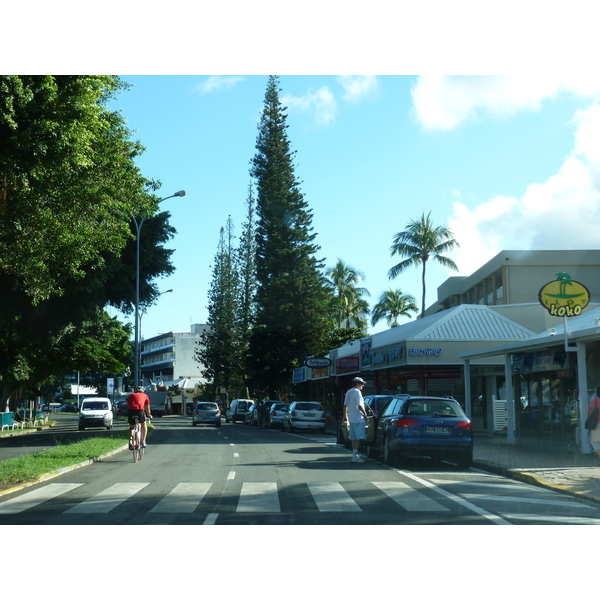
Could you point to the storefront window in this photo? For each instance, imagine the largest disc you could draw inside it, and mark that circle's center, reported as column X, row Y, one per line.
column 547, row 405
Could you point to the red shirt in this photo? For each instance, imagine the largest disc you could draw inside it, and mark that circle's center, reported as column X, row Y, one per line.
column 138, row 401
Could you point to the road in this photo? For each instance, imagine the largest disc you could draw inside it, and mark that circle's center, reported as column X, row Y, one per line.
column 239, row 475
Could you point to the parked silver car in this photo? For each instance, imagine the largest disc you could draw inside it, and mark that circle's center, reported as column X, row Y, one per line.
column 208, row 413
column 276, row 412
column 304, row 415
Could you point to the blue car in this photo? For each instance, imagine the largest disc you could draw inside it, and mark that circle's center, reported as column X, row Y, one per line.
column 423, row 426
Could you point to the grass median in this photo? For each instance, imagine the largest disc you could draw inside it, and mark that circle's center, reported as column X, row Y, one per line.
column 27, row 468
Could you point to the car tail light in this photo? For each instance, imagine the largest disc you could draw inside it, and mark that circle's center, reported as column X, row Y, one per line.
column 406, row 423
column 323, row 415
column 294, row 413
column 218, row 412
column 273, row 414
column 467, row 425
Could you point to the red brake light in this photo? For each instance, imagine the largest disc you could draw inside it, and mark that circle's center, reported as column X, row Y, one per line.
column 218, row 412
column 293, row 413
column 406, row 423
column 467, row 425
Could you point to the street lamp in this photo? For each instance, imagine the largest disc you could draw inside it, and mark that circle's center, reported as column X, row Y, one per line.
column 136, row 343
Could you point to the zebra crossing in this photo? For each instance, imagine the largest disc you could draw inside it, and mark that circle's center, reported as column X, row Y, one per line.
column 256, row 498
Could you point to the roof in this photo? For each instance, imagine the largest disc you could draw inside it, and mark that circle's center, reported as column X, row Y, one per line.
column 467, row 322
column 583, row 327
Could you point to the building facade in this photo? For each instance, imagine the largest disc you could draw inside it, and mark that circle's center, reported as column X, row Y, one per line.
column 170, row 357
column 478, row 323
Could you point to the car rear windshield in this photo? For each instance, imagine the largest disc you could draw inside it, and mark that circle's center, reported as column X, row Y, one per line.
column 308, row 406
column 435, row 408
column 95, row 406
column 207, row 406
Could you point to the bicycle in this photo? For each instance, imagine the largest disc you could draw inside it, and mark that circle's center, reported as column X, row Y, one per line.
column 136, row 446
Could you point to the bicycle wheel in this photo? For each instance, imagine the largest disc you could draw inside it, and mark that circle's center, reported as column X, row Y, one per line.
column 136, row 445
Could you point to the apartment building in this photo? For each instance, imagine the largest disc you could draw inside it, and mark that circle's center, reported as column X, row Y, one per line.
column 170, row 357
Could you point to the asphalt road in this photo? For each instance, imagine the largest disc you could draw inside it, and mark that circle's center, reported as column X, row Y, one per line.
column 240, row 475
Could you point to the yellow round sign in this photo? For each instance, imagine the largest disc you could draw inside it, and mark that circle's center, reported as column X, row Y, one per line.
column 564, row 297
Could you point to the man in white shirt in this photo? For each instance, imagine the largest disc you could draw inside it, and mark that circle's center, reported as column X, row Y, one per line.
column 354, row 413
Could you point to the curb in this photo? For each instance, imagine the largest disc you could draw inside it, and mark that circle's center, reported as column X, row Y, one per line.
column 533, row 480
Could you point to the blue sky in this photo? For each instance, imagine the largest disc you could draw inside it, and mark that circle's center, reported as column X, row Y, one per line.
column 507, row 162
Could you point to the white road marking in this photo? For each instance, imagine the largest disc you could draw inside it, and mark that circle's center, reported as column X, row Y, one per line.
column 183, row 498
column 35, row 497
column 259, row 497
column 332, row 497
column 107, row 499
column 476, row 509
column 407, row 497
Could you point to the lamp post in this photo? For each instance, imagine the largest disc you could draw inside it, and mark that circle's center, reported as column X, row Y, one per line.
column 136, row 343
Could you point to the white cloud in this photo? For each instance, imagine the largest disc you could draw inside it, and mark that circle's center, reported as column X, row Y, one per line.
column 560, row 213
column 217, row 82
column 321, row 102
column 357, row 87
column 445, row 102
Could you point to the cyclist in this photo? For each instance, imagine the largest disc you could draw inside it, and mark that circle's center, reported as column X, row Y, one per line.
column 138, row 406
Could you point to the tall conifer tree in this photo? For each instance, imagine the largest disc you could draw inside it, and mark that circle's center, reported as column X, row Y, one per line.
column 291, row 298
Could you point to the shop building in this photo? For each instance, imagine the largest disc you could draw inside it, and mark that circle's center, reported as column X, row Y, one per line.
column 462, row 345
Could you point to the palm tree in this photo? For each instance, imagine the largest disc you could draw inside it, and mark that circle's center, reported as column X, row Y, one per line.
column 420, row 242
column 392, row 305
column 344, row 282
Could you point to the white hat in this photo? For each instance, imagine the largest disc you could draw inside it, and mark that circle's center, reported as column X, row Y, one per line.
column 358, row 380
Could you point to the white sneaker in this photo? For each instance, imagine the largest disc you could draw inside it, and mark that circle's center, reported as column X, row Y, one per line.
column 357, row 459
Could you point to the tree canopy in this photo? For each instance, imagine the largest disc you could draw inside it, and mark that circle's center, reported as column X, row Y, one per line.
column 420, row 242
column 68, row 188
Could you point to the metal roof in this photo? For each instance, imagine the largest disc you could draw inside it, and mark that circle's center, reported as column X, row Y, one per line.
column 467, row 322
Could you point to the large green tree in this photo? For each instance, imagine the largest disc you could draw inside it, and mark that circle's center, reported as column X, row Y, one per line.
column 421, row 242
column 68, row 188
column 291, row 317
column 219, row 350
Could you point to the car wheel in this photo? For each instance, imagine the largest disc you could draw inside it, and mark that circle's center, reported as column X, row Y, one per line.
column 389, row 456
column 193, row 424
column 81, row 428
column 465, row 461
column 372, row 452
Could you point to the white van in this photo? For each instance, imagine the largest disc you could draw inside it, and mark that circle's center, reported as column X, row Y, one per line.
column 237, row 410
column 95, row 412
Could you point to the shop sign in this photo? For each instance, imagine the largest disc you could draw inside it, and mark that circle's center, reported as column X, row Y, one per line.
column 387, row 356
column 541, row 361
column 320, row 373
column 347, row 364
column 316, row 362
column 299, row 375
column 564, row 297
column 365, row 352
column 425, row 351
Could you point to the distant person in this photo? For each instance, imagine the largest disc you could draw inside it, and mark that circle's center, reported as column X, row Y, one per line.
column 262, row 414
column 138, row 407
column 595, row 433
column 354, row 412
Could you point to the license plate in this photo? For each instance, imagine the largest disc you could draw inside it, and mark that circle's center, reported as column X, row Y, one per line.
column 436, row 429
column 309, row 415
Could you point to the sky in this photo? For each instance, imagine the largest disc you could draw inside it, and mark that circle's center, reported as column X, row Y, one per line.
column 506, row 162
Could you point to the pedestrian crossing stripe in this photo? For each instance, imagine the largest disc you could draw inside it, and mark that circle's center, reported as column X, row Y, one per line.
column 263, row 497
column 36, row 497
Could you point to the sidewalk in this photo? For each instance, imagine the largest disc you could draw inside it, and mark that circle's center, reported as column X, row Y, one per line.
column 549, row 464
